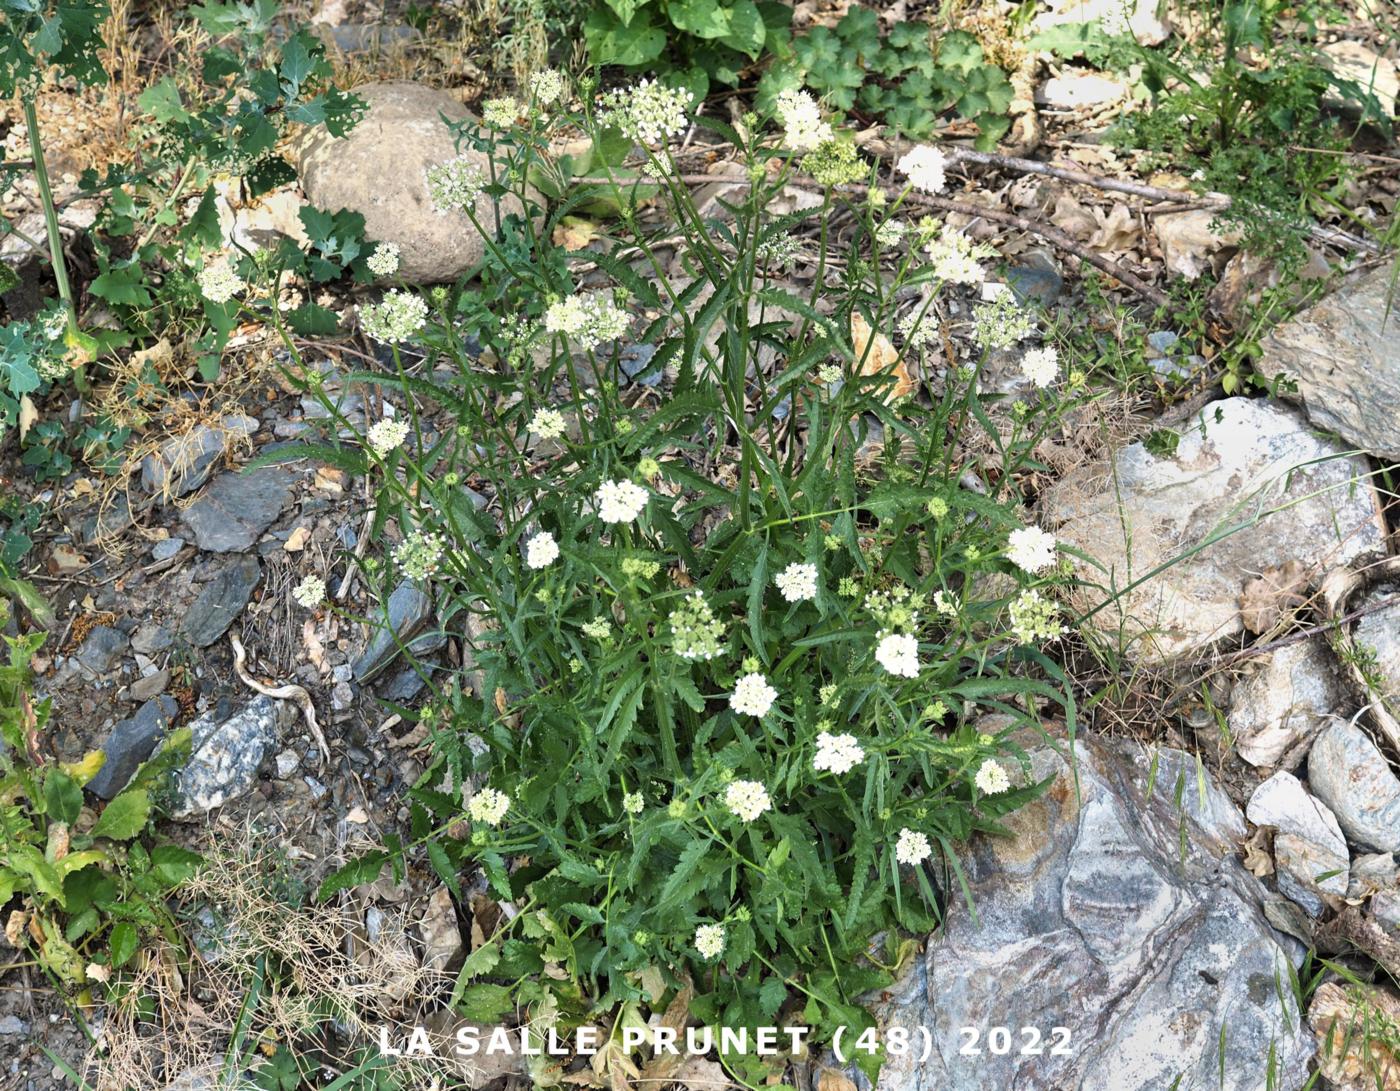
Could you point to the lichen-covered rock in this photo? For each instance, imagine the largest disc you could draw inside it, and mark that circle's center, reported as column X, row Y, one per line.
column 226, row 752
column 1344, row 354
column 1358, row 1036
column 1377, row 634
column 1283, row 701
column 1309, row 850
column 1249, row 486
column 1348, row 772
column 378, row 170
column 1119, row 918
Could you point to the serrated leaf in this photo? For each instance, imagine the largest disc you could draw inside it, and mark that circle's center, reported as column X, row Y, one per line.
column 125, row 816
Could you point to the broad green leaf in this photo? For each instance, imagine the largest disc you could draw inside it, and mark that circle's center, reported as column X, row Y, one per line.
column 125, row 816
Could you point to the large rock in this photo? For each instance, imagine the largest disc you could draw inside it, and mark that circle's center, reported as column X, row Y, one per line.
column 1344, row 354
column 1377, row 634
column 1358, row 1033
column 182, row 463
column 237, row 508
column 1283, row 701
column 226, row 753
column 1119, row 918
column 1310, row 852
column 378, row 170
column 221, row 601
column 1248, row 487
column 132, row 741
column 1348, row 772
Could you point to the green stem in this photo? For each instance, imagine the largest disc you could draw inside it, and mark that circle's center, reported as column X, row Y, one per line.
column 41, row 177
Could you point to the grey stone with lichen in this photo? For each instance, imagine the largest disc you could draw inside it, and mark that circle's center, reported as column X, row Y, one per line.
column 1120, row 918
column 227, row 749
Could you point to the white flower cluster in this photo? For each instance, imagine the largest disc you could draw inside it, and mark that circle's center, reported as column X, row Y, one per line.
column 219, row 283
column 1034, row 618
column 588, row 319
column 395, row 318
column 912, row 848
column 891, row 233
column 541, row 551
column 418, row 555
column 1030, row 549
column 310, row 592
column 547, row 86
column 454, row 185
column 957, row 259
column 898, row 653
column 649, row 112
column 837, row 753
column 747, row 799
column 695, row 631
column 633, row 803
column 1002, row 322
column 803, row 127
column 620, row 501
column 548, row 423
column 488, row 806
column 991, row 778
column 386, row 435
column 752, row 696
column 797, row 582
column 924, row 166
column 383, row 261
column 500, row 113
column 1041, row 365
column 709, row 940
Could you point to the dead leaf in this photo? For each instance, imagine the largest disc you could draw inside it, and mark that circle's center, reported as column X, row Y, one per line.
column 28, row 416
column 574, row 233
column 1277, row 591
column 1073, row 218
column 329, row 480
column 703, row 1074
column 1258, row 853
column 1117, row 231
column 829, row 1079
column 877, row 356
column 296, row 541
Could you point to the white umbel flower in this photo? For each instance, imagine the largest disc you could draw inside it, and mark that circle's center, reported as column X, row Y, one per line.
column 488, row 806
column 924, row 166
column 384, row 260
column 1031, row 549
column 219, row 283
column 648, row 113
column 395, row 318
column 803, row 127
column 547, row 85
column 837, row 754
column 386, row 435
column 898, row 653
column 587, row 319
column 310, row 592
column 541, row 551
column 752, row 696
column 548, row 423
column 912, row 848
column 709, row 940
column 1041, row 366
column 633, row 803
column 797, row 582
column 454, row 185
column 991, row 778
column 747, row 799
column 620, row 501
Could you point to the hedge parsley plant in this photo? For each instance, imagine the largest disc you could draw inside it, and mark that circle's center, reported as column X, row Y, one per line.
column 732, row 618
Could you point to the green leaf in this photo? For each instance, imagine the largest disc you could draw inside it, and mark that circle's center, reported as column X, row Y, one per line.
column 747, row 29
column 771, row 995
column 125, row 816
column 610, row 41
column 162, row 101
column 174, row 864
column 313, row 320
column 486, row 1003
column 63, row 798
column 625, row 9
column 122, row 942
column 703, row 18
column 363, row 869
column 123, row 284
column 442, row 866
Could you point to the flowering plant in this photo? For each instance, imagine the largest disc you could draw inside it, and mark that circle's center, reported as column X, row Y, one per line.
column 731, row 621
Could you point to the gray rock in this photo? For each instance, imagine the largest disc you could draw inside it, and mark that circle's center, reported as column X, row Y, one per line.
column 1309, row 842
column 1373, row 872
column 143, row 689
column 1378, row 634
column 151, row 638
column 221, row 601
column 1104, row 914
column 1344, row 354
column 1192, row 791
column 109, row 519
column 237, row 508
column 1283, row 702
column 182, row 464
column 1073, row 89
column 1349, row 774
column 1372, row 73
column 1249, row 486
column 378, row 170
column 1385, row 908
column 226, row 752
column 1140, row 17
column 408, row 609
column 1036, row 278
column 102, row 648
column 13, row 1024
column 287, row 763
column 166, row 548
column 132, row 741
